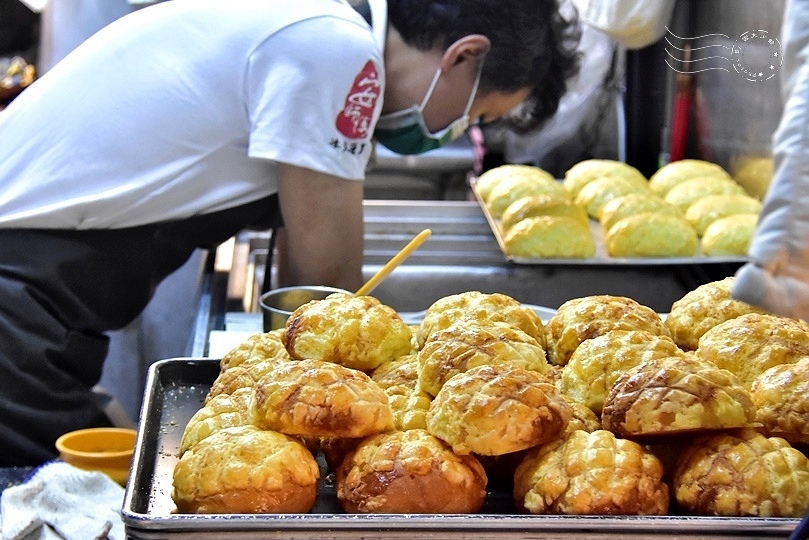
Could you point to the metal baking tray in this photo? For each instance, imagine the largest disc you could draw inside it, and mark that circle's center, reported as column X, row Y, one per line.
column 176, row 389
column 601, row 257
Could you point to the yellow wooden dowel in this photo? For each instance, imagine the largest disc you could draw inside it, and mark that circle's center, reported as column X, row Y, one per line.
column 397, row 259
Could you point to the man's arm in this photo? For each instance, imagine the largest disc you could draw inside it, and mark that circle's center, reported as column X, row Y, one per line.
column 322, row 239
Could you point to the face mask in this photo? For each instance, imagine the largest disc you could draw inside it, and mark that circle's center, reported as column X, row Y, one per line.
column 405, row 131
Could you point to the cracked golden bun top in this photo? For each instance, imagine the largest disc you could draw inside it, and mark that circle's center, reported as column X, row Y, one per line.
column 703, row 308
column 466, row 345
column 527, row 181
column 399, row 379
column 730, row 235
column 246, row 470
column 675, row 395
column 580, row 319
column 262, row 346
column 742, row 473
column 541, row 205
column 632, row 204
column 591, row 473
column 481, row 308
column 320, row 399
column 221, row 411
column 243, row 375
column 581, row 417
column 550, row 237
column 781, row 396
column 355, row 331
column 409, row 472
column 597, row 193
column 652, row 234
column 708, row 209
column 584, row 172
column 751, row 343
column 497, row 409
column 676, row 172
column 510, row 172
column 596, row 363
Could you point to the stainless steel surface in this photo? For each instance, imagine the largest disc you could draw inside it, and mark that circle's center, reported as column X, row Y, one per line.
column 176, row 389
column 463, row 254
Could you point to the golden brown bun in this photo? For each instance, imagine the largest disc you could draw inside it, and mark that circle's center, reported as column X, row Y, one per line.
column 399, row 379
column 505, row 174
column 466, row 345
column 355, row 331
column 597, row 193
column 497, row 409
column 527, row 183
column 541, row 205
column 632, row 204
column 730, row 235
column 481, row 308
column 221, row 411
column 675, row 395
column 750, row 344
column 708, row 209
column 754, row 174
column 742, row 473
column 690, row 191
column 586, row 317
column 591, row 473
column 262, row 346
column 781, row 396
column 409, row 472
column 581, row 417
column 244, row 470
column 584, row 172
column 652, row 234
column 703, row 308
column 243, row 375
column 550, row 237
column 320, row 399
column 676, row 172
column 597, row 362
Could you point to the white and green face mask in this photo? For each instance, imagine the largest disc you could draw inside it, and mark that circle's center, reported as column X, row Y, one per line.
column 405, row 131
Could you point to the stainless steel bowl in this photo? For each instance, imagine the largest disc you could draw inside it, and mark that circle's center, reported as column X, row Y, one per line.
column 278, row 304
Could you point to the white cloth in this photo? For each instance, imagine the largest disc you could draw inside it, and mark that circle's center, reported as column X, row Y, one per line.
column 778, row 278
column 632, row 23
column 62, row 501
column 179, row 109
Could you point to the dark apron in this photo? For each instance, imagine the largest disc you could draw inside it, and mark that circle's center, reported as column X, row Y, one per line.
column 60, row 291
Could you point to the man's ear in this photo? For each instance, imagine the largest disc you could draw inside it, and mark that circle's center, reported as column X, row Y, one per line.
column 471, row 47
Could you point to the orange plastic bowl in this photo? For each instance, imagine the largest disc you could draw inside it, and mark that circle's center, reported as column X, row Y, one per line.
column 108, row 450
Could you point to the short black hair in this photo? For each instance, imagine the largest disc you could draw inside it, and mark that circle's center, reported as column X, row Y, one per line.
column 533, row 45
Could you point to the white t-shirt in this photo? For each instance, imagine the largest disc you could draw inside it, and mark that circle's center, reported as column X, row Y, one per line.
column 182, row 108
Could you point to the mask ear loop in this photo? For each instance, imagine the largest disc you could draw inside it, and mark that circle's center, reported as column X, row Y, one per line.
column 474, row 88
column 430, row 89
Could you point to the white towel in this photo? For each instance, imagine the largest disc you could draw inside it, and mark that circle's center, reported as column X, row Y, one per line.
column 63, row 501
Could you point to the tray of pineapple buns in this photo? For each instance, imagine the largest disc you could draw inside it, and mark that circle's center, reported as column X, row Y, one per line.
column 602, row 418
column 607, row 212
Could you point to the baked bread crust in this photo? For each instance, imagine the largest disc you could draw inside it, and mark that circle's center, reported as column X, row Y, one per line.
column 703, row 308
column 262, row 346
column 750, row 344
column 409, row 472
column 742, row 473
column 591, row 473
column 358, row 332
column 320, row 399
column 399, row 379
column 583, row 318
column 674, row 395
column 466, row 345
column 497, row 409
column 596, row 364
column 781, row 396
column 221, row 411
column 246, row 470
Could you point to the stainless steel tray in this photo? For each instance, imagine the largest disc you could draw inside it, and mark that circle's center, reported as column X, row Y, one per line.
column 175, row 391
column 601, row 257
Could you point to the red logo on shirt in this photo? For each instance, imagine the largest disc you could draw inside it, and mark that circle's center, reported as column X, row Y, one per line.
column 354, row 121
